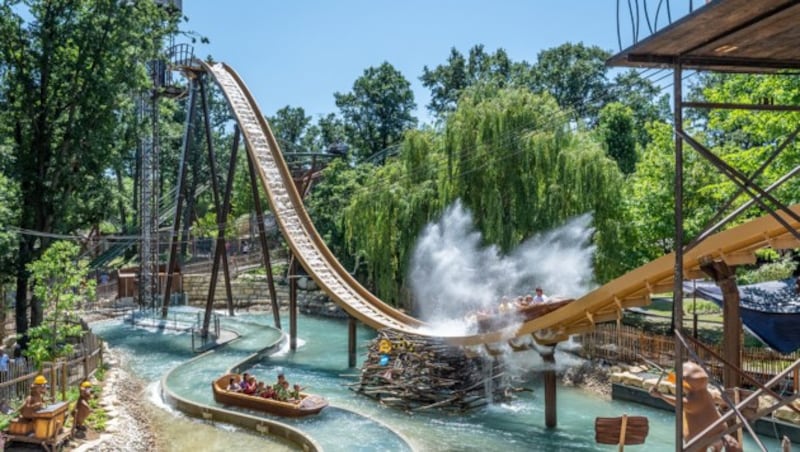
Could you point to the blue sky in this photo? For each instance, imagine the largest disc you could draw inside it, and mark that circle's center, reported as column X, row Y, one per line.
column 300, row 52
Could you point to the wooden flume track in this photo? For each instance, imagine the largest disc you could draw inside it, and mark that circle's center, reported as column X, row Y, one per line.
column 735, row 246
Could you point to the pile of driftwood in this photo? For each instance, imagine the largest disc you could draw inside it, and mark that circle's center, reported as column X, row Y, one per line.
column 415, row 373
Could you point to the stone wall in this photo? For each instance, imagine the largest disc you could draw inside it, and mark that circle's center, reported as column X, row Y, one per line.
column 253, row 293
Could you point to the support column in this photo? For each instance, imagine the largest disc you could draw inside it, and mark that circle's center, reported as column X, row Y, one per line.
column 173, row 245
column 725, row 278
column 351, row 341
column 293, row 304
column 221, row 253
column 550, row 412
column 677, row 292
column 262, row 238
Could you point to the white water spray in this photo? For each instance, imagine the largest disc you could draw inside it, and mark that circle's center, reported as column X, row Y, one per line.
column 453, row 273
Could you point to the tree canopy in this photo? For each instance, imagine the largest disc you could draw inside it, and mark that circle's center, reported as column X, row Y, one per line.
column 69, row 68
column 378, row 110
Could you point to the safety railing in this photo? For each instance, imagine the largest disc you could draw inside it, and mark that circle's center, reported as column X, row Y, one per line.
column 638, row 19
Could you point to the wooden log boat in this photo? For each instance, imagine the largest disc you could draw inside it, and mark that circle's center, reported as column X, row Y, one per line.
column 307, row 405
column 520, row 314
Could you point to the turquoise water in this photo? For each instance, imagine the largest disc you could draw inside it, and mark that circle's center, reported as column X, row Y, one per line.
column 320, row 364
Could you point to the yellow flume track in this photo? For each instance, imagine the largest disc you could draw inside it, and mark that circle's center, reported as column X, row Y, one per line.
column 735, row 246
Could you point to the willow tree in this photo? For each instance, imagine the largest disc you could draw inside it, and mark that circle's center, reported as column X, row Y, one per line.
column 385, row 216
column 515, row 162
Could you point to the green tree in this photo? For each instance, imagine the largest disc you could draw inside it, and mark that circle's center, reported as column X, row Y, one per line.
column 616, row 132
column 331, row 131
column 447, row 81
column 327, row 203
column 68, row 66
column 60, row 281
column 646, row 100
column 575, row 74
column 650, row 195
column 290, row 124
column 384, row 219
column 516, row 165
column 9, row 214
column 378, row 110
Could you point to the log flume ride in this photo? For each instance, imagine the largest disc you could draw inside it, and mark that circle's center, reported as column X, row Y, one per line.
column 307, row 405
column 735, row 246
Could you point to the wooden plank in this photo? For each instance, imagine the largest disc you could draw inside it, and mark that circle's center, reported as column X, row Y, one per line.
column 761, row 36
column 775, row 37
column 636, row 302
column 743, row 258
column 785, row 242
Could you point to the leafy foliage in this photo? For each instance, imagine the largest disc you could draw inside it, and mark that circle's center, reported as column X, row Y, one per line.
column 448, row 81
column 575, row 74
column 646, row 100
column 378, row 110
column 69, row 68
column 616, row 132
column 60, row 281
column 384, row 219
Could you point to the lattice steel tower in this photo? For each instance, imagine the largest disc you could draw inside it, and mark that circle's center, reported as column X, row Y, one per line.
column 150, row 175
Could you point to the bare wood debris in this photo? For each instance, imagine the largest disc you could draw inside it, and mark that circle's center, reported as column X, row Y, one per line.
column 415, row 373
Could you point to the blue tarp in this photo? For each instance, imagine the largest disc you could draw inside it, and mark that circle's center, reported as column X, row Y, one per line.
column 770, row 310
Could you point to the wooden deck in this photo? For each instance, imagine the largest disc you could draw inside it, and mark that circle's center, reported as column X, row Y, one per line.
column 725, row 35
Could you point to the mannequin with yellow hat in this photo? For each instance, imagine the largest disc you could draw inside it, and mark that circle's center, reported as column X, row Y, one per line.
column 35, row 401
column 82, row 409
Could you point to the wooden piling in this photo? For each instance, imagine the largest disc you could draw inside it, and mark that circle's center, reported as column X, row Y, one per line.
column 351, row 342
column 550, row 414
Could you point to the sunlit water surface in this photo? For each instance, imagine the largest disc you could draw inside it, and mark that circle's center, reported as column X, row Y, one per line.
column 320, row 364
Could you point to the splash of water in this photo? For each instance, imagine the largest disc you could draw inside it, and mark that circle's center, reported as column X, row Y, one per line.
column 453, row 273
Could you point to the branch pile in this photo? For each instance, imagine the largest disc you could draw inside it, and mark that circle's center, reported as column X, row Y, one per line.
column 414, row 373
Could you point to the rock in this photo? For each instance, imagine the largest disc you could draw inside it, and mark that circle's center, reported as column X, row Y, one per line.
column 631, row 380
column 787, row 414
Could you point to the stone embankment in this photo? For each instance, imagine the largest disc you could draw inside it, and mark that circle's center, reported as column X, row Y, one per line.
column 252, row 293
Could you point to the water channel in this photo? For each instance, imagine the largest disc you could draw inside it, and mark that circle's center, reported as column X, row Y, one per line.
column 354, row 422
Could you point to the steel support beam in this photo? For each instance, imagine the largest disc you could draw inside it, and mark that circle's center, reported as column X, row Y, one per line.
column 733, row 106
column 716, row 223
column 179, row 196
column 262, row 238
column 220, row 248
column 677, row 292
column 739, row 179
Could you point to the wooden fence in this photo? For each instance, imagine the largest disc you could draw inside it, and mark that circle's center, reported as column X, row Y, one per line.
column 15, row 383
column 628, row 345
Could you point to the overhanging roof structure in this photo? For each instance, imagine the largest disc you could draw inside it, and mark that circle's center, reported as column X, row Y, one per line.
column 725, row 35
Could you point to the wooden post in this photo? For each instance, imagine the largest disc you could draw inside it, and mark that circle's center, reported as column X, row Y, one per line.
column 293, row 304
column 622, row 432
column 550, row 415
column 64, row 380
column 725, row 277
column 220, row 253
column 53, row 375
column 262, row 238
column 677, row 291
column 351, row 341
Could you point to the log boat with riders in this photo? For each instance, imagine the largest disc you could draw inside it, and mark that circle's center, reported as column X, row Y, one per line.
column 308, row 404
